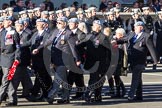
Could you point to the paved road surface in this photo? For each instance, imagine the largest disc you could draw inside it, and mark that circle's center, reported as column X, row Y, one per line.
column 152, row 90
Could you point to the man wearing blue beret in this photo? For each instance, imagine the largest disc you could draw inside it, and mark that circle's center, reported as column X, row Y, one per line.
column 43, row 80
column 28, row 26
column 74, row 76
column 25, row 56
column 94, row 46
column 10, row 51
column 139, row 43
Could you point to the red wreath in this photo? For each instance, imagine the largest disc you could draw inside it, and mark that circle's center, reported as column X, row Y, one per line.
column 12, row 70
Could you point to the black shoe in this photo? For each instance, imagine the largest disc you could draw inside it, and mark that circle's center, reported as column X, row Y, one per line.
column 87, row 99
column 154, row 67
column 63, row 101
column 11, row 104
column 98, row 99
column 22, row 96
column 88, row 96
column 139, row 98
column 31, row 98
column 77, row 97
column 123, row 93
column 5, row 97
column 135, row 99
column 116, row 96
column 160, row 61
column 130, row 99
column 49, row 100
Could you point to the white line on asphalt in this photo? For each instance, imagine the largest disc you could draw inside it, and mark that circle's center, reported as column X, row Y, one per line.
column 154, row 74
column 159, row 82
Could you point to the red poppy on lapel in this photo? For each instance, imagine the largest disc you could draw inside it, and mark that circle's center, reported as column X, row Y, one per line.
column 9, row 36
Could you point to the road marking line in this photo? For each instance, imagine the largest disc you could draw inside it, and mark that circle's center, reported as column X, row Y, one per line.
column 152, row 74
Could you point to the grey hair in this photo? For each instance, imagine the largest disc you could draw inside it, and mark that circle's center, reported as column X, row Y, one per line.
column 82, row 24
column 121, row 31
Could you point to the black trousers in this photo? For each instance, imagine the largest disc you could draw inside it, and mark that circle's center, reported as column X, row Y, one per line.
column 119, row 85
column 111, row 83
column 97, row 79
column 43, row 81
column 136, row 83
column 95, row 84
column 78, row 79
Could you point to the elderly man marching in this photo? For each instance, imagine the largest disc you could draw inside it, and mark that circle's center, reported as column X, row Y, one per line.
column 139, row 43
column 94, row 46
column 121, row 68
column 43, row 80
column 78, row 78
column 63, row 51
column 10, row 51
column 21, row 74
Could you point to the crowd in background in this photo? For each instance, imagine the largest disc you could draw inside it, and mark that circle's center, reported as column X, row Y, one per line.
column 105, row 5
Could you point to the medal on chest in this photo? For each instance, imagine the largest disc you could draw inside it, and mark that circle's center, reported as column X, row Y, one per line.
column 97, row 42
column 77, row 42
column 21, row 41
column 8, row 39
column 62, row 41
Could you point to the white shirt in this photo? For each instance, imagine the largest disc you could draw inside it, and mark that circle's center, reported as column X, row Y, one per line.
column 139, row 35
column 8, row 29
column 40, row 32
column 74, row 31
column 20, row 32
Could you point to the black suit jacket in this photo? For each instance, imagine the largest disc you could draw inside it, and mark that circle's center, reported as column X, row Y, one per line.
column 158, row 29
column 62, row 54
column 137, row 52
column 25, row 56
column 80, row 37
column 38, row 60
column 94, row 53
column 29, row 31
column 10, row 52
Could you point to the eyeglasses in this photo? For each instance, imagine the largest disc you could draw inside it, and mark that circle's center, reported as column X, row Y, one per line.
column 58, row 23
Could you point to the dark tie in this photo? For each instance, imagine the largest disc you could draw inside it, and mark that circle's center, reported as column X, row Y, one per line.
column 38, row 40
column 134, row 38
column 56, row 38
column 54, row 41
